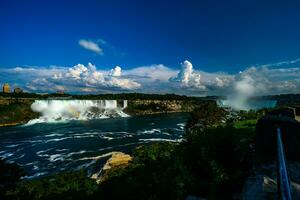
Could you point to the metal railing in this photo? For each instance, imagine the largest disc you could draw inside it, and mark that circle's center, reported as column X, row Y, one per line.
column 283, row 180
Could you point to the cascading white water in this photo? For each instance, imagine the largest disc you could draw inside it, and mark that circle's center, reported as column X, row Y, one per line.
column 125, row 103
column 64, row 110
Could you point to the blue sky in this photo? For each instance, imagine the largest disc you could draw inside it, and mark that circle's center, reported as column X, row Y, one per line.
column 217, row 37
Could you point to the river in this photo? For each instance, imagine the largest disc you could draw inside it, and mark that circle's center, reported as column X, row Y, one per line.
column 47, row 148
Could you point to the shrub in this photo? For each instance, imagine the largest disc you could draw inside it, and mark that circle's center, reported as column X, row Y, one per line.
column 208, row 114
column 67, row 185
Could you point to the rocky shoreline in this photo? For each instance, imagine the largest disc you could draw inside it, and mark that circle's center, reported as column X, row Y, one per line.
column 15, row 112
column 13, row 124
column 117, row 160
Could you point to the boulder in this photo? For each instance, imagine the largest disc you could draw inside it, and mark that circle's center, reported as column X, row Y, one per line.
column 117, row 160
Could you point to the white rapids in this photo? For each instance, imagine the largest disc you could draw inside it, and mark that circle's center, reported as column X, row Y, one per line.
column 65, row 110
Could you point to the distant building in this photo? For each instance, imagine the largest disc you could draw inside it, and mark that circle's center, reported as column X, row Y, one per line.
column 6, row 88
column 18, row 90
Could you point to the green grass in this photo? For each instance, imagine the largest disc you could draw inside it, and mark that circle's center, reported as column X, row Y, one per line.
column 251, row 123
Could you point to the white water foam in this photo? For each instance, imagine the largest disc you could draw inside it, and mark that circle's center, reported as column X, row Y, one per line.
column 34, row 175
column 152, row 131
column 13, row 145
column 161, row 140
column 64, row 110
column 56, row 157
column 54, row 135
column 97, row 157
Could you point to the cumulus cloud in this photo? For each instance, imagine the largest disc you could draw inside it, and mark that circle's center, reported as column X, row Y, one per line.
column 91, row 46
column 117, row 71
column 88, row 76
column 188, row 78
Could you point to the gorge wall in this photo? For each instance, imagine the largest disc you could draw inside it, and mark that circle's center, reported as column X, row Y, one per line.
column 144, row 107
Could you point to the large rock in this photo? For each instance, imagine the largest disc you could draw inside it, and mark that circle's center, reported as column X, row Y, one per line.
column 117, row 160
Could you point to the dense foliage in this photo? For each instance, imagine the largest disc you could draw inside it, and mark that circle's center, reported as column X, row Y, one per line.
column 208, row 114
column 223, row 156
column 67, row 185
column 156, row 172
column 211, row 163
column 252, row 114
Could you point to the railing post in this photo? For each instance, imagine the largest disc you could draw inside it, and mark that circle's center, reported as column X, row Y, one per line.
column 283, row 181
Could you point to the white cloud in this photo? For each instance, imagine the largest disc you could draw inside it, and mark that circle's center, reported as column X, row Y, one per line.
column 257, row 80
column 88, row 76
column 117, row 71
column 22, row 69
column 273, row 81
column 90, row 45
column 152, row 73
column 187, row 77
column 282, row 63
column 124, row 83
column 77, row 71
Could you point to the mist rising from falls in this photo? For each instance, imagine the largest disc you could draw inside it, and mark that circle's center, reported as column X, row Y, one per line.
column 243, row 92
column 248, row 104
column 65, row 110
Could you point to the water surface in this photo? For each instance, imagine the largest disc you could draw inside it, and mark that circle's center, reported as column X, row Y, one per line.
column 47, row 148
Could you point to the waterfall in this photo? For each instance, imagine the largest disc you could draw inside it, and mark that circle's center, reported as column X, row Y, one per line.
column 65, row 110
column 125, row 104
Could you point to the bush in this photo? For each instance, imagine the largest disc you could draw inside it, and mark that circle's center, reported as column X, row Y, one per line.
column 67, row 185
column 208, row 114
column 156, row 172
column 222, row 159
column 212, row 162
